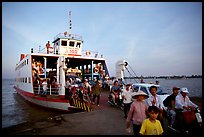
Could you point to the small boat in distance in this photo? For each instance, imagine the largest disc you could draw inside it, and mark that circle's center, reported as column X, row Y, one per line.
column 56, row 63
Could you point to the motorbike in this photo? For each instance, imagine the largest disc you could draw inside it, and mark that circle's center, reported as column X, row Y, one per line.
column 187, row 122
column 118, row 101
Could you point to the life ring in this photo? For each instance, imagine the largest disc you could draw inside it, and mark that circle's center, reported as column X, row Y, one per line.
column 88, row 53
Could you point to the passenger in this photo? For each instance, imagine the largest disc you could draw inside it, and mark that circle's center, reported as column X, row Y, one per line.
column 81, row 92
column 85, row 94
column 96, row 68
column 127, row 99
column 120, row 82
column 109, row 83
column 36, row 77
column 36, row 81
column 183, row 101
column 54, row 85
column 34, row 65
column 142, row 81
column 44, row 86
column 155, row 100
column 105, row 84
column 157, row 82
column 100, row 69
column 115, row 91
column 73, row 81
column 152, row 126
column 137, row 112
column 97, row 92
column 39, row 67
column 100, row 82
column 87, row 86
column 67, row 89
column 48, row 46
column 169, row 102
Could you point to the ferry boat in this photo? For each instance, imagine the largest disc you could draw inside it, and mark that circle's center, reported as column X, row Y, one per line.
column 59, row 61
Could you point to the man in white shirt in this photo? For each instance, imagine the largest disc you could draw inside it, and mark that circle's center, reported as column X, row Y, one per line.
column 127, row 99
column 155, row 100
column 183, row 102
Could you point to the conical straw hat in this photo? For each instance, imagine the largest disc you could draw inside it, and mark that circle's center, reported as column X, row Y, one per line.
column 139, row 93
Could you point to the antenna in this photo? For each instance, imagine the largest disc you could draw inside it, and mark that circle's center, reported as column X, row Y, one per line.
column 70, row 22
column 39, row 49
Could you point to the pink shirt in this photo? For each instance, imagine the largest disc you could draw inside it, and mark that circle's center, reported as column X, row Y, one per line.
column 137, row 112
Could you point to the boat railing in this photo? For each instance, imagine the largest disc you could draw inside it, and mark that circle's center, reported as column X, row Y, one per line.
column 93, row 54
column 51, row 89
column 67, row 35
column 87, row 53
column 42, row 50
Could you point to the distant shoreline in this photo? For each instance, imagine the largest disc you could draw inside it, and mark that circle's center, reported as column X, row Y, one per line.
column 164, row 77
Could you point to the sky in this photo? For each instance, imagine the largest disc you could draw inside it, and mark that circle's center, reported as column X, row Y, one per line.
column 155, row 38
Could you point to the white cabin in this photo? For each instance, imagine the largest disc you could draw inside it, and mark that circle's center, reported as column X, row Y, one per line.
column 68, row 45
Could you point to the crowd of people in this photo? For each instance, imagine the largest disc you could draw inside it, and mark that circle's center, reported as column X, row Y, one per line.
column 83, row 90
column 145, row 112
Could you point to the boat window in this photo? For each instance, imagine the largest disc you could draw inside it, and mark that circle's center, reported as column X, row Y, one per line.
column 64, row 43
column 78, row 45
column 71, row 43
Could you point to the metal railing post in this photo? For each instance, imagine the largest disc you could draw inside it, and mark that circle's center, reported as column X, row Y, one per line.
column 38, row 89
column 50, row 89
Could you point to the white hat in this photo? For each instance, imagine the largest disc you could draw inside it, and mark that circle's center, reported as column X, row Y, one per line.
column 185, row 90
column 139, row 93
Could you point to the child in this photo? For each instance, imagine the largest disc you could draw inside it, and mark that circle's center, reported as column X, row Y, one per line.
column 137, row 112
column 151, row 126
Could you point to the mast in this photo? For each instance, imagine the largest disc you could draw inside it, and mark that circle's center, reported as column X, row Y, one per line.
column 70, row 23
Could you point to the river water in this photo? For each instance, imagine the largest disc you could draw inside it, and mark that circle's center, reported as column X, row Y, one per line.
column 15, row 110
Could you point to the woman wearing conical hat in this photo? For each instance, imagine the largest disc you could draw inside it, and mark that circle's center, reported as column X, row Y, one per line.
column 137, row 112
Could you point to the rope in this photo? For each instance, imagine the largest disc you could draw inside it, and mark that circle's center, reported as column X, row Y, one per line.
column 133, row 71
column 130, row 74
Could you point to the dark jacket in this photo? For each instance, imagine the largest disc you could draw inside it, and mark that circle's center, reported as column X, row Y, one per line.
column 170, row 101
